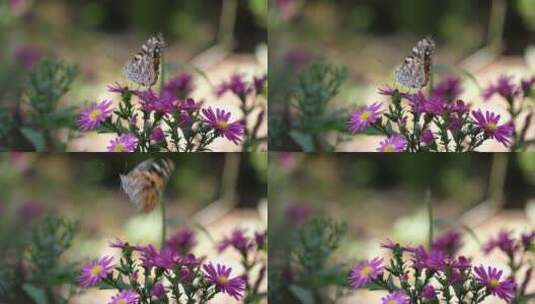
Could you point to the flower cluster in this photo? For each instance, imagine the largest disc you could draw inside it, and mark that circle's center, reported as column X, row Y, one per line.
column 251, row 106
column 440, row 275
column 145, row 274
column 441, row 121
column 165, row 121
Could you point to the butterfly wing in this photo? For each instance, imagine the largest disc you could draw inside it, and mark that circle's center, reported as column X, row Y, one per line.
column 146, row 182
column 414, row 72
column 144, row 67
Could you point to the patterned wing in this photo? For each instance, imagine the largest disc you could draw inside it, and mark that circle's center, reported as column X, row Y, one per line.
column 145, row 183
column 414, row 71
column 144, row 67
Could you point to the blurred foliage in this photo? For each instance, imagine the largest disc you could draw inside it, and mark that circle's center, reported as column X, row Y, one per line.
column 309, row 115
column 34, row 122
column 302, row 269
column 31, row 270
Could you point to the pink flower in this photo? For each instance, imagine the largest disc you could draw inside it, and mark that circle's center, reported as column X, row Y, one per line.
column 365, row 272
column 394, row 143
column 364, row 117
column 94, row 272
column 490, row 278
column 489, row 124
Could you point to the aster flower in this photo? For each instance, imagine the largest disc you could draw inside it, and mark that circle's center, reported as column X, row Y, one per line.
column 429, row 293
column 397, row 297
column 236, row 84
column 189, row 105
column 458, row 107
column 94, row 115
column 490, row 278
column 504, row 87
column 182, row 241
column 454, row 123
column 526, row 85
column 364, row 117
column 123, row 143
column 527, row 239
column 158, row 290
column 117, row 88
column 179, row 86
column 417, row 102
column 220, row 276
column 127, row 296
column 365, row 272
column 448, row 89
column 260, row 238
column 427, row 137
column 434, row 106
column 421, row 258
column 220, row 122
column 259, row 83
column 389, row 244
column 94, row 272
column 489, row 124
column 150, row 101
column 503, row 241
column 394, row 143
column 449, row 242
column 157, row 135
column 238, row 240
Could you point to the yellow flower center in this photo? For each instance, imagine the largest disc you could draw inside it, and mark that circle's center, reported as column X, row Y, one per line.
column 366, row 271
column 491, row 126
column 96, row 270
column 392, row 302
column 119, row 148
column 494, row 283
column 221, row 124
column 121, row 301
column 365, row 115
column 389, row 148
column 95, row 114
column 222, row 280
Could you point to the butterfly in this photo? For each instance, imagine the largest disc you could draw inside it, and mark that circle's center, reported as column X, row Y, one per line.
column 414, row 71
column 144, row 67
column 145, row 183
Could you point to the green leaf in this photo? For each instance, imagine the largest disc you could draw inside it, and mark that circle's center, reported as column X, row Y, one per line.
column 303, row 295
column 305, row 141
column 37, row 139
column 37, row 294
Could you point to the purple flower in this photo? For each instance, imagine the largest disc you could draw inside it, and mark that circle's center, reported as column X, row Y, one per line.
column 504, row 87
column 296, row 214
column 260, row 238
column 220, row 276
column 364, row 117
column 237, row 240
column 236, row 85
column 449, row 242
column 189, row 105
column 448, row 89
column 158, row 290
column 417, row 102
column 157, row 135
column 526, row 85
column 28, row 55
column 454, row 122
column 527, row 239
column 427, row 137
column 458, row 107
column 434, row 106
column 150, row 101
column 394, row 143
column 117, row 88
column 490, row 278
column 220, row 122
column 123, row 143
column 182, row 241
column 30, row 211
column 180, row 86
column 259, row 83
column 434, row 260
column 127, row 296
column 365, row 272
column 119, row 244
column 94, row 272
column 297, row 58
column 94, row 115
column 396, row 297
column 389, row 244
column 489, row 124
column 503, row 241
column 429, row 293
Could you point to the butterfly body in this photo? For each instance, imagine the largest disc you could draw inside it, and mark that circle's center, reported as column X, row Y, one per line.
column 415, row 69
column 145, row 183
column 144, row 67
